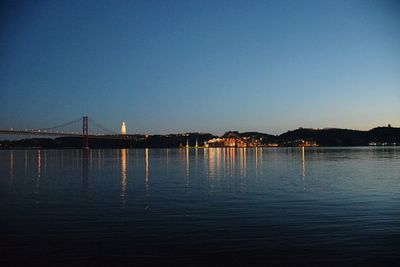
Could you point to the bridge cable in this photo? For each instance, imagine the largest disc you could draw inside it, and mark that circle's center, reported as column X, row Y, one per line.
column 61, row 125
column 98, row 125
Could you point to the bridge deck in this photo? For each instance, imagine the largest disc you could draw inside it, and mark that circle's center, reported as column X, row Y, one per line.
column 61, row 134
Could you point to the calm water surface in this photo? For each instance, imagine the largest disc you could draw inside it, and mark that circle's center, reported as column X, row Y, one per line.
column 139, row 207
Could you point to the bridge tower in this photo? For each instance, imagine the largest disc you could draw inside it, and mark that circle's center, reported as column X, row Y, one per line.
column 85, row 131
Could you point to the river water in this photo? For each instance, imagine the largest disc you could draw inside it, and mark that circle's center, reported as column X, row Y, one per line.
column 197, row 207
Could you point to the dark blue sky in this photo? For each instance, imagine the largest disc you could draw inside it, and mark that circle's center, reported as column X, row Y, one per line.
column 173, row 66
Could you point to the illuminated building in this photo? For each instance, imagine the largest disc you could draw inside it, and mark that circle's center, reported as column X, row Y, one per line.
column 123, row 128
column 234, row 142
column 301, row 143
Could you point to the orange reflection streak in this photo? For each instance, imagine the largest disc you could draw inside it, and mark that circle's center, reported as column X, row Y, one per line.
column 241, row 160
column 261, row 160
column 244, row 161
column 197, row 158
column 233, row 161
column 187, row 161
column 218, row 162
column 256, row 150
column 211, row 155
column 123, row 173
column 226, row 162
column 146, row 181
column 242, row 155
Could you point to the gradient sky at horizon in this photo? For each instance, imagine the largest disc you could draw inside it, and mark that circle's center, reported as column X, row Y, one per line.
column 211, row 66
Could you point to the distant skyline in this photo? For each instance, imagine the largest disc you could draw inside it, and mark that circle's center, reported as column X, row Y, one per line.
column 209, row 66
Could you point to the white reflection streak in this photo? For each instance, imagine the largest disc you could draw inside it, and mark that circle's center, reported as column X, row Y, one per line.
column 205, row 158
column 303, row 165
column 196, row 157
column 39, row 168
column 77, row 159
column 45, row 162
column 11, row 163
column 91, row 158
column 39, row 163
column 26, row 163
column 11, row 168
column 167, row 161
column 98, row 159
column 146, row 181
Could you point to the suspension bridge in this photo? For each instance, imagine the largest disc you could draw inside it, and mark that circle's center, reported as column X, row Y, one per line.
column 59, row 131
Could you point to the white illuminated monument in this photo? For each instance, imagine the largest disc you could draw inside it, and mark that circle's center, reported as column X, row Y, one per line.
column 123, row 128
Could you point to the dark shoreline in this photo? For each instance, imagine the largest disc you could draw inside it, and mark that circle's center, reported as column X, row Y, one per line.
column 380, row 136
column 192, row 148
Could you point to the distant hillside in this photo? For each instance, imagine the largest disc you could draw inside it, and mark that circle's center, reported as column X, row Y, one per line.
column 255, row 135
column 384, row 134
column 327, row 137
column 344, row 137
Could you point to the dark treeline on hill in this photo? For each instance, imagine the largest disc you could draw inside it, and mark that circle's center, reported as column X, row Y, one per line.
column 323, row 137
column 344, row 137
column 329, row 137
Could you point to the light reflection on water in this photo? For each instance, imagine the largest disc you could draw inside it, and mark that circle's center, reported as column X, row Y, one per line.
column 213, row 163
column 341, row 201
column 123, row 174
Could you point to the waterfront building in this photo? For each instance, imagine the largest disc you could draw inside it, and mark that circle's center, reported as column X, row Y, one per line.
column 234, row 142
column 301, row 143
